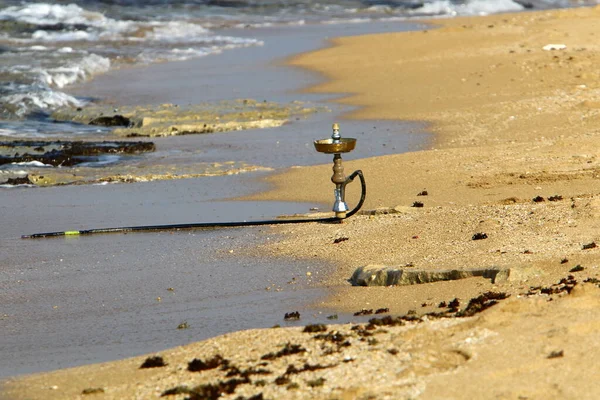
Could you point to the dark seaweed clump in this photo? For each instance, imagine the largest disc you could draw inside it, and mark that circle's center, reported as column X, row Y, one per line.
column 17, row 181
column 292, row 316
column 197, row 365
column 588, row 246
column 153, row 362
column 313, row 328
column 564, row 285
column 209, row 391
column 287, row 350
column 115, row 120
column 480, row 303
column 556, row 354
column 479, row 236
column 475, row 305
column 577, row 268
column 340, row 239
column 96, row 390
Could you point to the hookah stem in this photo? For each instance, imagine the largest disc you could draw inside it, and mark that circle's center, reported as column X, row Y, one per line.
column 212, row 224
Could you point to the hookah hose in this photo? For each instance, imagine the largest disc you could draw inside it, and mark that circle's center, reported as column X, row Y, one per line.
column 213, row 224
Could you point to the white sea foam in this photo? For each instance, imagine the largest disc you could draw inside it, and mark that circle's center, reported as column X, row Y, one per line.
column 177, row 54
column 45, row 13
column 176, row 31
column 379, row 9
column 42, row 99
column 83, row 69
column 36, row 164
column 104, row 160
column 49, row 14
column 348, row 21
column 14, row 186
column 473, row 7
column 299, row 22
column 63, row 36
column 7, row 132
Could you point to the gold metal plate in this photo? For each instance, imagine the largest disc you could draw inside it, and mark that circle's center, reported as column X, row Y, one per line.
column 328, row 146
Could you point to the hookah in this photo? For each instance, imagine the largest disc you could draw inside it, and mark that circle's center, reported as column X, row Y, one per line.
column 337, row 145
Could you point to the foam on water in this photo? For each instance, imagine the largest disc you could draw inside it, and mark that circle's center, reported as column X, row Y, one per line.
column 101, row 161
column 25, row 98
column 6, row 186
column 37, row 164
column 71, row 73
column 45, row 14
column 473, row 7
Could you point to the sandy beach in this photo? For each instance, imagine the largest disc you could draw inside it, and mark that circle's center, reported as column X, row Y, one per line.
column 510, row 183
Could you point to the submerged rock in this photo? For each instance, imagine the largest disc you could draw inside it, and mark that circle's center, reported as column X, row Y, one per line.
column 66, row 153
column 115, row 120
column 17, row 181
column 170, row 119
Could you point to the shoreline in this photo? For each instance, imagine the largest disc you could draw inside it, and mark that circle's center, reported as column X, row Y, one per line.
column 488, row 173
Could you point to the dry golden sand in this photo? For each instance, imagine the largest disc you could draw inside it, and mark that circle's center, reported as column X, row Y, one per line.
column 512, row 122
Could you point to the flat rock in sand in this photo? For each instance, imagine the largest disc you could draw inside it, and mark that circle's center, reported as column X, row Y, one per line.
column 381, row 275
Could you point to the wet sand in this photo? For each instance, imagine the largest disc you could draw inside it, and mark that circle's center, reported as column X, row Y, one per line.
column 515, row 127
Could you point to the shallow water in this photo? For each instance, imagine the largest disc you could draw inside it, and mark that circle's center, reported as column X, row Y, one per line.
column 71, row 301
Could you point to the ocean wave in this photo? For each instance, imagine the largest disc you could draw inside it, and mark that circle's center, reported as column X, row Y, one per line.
column 473, row 7
column 101, row 161
column 78, row 71
column 64, row 16
column 27, row 98
column 45, row 13
column 33, row 164
column 63, row 36
column 6, row 186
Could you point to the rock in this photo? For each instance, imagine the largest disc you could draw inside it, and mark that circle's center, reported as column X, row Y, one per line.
column 381, row 275
column 18, row 181
column 115, row 120
column 169, row 119
column 380, row 211
column 524, row 274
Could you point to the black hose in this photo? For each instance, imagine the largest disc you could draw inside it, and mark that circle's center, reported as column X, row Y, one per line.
column 212, row 224
column 363, row 191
